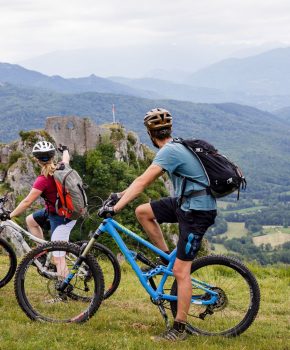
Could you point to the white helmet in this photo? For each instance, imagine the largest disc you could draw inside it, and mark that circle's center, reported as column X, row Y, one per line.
column 43, row 151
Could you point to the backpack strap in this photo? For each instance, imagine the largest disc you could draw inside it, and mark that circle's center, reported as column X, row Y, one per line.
column 206, row 190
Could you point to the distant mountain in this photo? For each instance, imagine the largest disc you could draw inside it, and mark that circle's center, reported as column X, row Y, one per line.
column 173, row 90
column 264, row 74
column 20, row 76
column 258, row 140
column 186, row 92
column 283, row 113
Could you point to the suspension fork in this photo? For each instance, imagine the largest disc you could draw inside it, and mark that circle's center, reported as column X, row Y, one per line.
column 77, row 264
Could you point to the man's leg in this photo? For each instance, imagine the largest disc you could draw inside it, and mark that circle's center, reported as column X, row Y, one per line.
column 34, row 227
column 181, row 270
column 145, row 216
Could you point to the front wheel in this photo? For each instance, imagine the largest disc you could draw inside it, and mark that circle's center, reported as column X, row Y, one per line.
column 238, row 297
column 40, row 274
column 8, row 262
column 109, row 265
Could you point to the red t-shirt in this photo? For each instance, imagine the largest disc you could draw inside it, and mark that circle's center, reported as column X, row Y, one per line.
column 48, row 188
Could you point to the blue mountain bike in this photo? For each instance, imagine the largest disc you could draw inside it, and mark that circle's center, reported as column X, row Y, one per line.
column 225, row 299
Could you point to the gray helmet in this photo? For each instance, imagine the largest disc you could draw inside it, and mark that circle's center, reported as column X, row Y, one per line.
column 157, row 118
column 43, row 151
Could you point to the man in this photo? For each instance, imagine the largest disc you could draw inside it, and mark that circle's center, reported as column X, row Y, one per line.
column 194, row 212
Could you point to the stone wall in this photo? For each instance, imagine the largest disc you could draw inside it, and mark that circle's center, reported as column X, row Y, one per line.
column 79, row 134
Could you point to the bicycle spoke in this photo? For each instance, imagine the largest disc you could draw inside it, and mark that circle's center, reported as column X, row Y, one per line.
column 38, row 289
column 236, row 289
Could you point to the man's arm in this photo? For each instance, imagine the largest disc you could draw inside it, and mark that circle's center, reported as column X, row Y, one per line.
column 26, row 203
column 138, row 186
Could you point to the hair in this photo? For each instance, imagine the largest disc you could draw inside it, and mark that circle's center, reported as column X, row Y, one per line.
column 161, row 134
column 47, row 168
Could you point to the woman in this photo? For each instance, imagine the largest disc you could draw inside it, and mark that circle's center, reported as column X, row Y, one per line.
column 45, row 187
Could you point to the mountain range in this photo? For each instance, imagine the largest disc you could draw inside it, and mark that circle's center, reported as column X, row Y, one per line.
column 264, row 74
column 260, row 81
column 17, row 75
column 258, row 140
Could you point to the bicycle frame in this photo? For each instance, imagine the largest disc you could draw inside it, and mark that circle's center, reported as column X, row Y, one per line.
column 19, row 232
column 112, row 227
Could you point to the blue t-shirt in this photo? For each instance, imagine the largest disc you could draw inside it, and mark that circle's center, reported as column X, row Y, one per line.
column 174, row 157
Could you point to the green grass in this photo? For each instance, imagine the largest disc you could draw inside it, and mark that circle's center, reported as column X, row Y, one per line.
column 220, row 249
column 223, row 204
column 274, row 229
column 235, row 230
column 128, row 319
column 245, row 210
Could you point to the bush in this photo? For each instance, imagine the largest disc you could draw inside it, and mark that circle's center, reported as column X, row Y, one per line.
column 14, row 156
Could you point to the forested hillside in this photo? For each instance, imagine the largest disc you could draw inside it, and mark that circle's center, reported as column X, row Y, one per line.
column 257, row 140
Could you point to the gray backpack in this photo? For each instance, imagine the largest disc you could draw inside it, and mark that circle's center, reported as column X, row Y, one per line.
column 71, row 196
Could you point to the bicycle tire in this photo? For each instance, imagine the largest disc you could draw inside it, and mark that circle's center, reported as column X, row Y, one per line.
column 6, row 251
column 230, row 298
column 110, row 267
column 33, row 302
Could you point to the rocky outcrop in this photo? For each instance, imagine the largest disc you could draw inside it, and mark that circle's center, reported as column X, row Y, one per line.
column 18, row 169
column 82, row 135
column 21, row 175
column 79, row 134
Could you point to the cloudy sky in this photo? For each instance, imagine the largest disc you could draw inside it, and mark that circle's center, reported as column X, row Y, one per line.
column 159, row 34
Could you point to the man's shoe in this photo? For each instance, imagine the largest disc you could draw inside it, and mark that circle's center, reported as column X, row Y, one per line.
column 171, row 335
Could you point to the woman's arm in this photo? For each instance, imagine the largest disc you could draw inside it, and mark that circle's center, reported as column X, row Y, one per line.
column 65, row 157
column 26, row 203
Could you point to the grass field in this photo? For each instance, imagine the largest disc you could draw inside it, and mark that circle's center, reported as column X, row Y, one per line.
column 235, row 230
column 275, row 239
column 220, row 249
column 128, row 319
column 245, row 210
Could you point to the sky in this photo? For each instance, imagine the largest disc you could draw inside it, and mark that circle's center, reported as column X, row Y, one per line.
column 144, row 35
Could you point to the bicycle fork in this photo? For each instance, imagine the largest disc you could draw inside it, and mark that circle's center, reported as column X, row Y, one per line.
column 76, row 266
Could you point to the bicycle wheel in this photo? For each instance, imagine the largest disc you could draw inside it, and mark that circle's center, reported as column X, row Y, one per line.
column 8, row 262
column 109, row 265
column 238, row 297
column 36, row 284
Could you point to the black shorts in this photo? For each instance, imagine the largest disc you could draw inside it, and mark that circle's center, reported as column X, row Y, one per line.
column 192, row 225
column 41, row 217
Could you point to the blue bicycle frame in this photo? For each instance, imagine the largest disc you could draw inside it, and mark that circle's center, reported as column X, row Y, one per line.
column 112, row 227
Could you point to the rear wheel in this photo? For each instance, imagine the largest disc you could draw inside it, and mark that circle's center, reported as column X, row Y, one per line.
column 8, row 262
column 238, row 297
column 37, row 282
column 109, row 265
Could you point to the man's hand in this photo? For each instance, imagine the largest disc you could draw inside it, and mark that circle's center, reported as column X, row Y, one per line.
column 62, row 148
column 106, row 211
column 113, row 199
column 5, row 215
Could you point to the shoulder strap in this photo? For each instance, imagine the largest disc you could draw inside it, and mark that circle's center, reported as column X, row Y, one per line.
column 186, row 178
column 181, row 141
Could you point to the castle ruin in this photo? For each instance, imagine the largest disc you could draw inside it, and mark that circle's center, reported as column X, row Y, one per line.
column 79, row 134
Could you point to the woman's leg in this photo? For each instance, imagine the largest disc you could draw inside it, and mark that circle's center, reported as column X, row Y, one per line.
column 33, row 227
column 61, row 233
